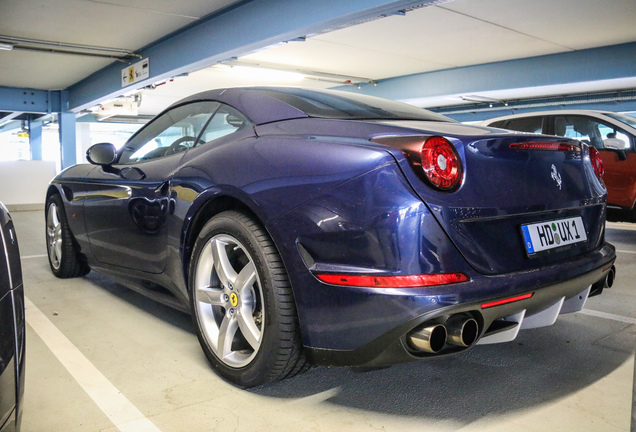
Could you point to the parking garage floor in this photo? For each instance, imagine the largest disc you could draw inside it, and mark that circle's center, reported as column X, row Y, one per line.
column 103, row 358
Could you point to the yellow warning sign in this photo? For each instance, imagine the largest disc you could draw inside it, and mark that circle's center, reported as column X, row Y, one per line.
column 135, row 73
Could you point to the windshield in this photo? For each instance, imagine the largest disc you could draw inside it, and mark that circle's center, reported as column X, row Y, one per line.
column 351, row 106
column 623, row 118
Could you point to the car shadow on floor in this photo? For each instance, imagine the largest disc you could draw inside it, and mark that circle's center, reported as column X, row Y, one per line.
column 619, row 215
column 540, row 367
column 169, row 315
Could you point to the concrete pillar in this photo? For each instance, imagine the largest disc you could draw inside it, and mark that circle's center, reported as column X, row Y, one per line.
column 83, row 141
column 35, row 139
column 67, row 139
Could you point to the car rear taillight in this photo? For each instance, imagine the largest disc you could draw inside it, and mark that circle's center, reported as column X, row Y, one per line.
column 433, row 159
column 597, row 163
column 441, row 163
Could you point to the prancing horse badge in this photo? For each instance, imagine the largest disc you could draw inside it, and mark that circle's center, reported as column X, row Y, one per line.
column 556, row 176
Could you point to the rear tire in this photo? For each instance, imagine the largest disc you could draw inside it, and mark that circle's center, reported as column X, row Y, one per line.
column 242, row 303
column 64, row 257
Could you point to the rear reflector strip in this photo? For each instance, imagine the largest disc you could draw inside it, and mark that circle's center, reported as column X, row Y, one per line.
column 506, row 301
column 553, row 146
column 409, row 281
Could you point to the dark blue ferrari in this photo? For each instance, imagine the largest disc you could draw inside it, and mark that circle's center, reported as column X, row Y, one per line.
column 305, row 227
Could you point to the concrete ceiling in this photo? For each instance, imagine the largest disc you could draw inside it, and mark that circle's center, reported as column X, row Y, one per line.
column 128, row 24
column 443, row 36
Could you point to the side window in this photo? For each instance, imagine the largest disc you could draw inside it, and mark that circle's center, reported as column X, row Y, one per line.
column 589, row 130
column 172, row 132
column 619, row 138
column 498, row 124
column 226, row 121
column 526, row 124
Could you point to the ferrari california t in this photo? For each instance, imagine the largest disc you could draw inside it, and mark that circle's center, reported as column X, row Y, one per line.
column 305, row 227
column 12, row 333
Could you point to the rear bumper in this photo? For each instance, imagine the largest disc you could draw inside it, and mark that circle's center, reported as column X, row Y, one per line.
column 554, row 290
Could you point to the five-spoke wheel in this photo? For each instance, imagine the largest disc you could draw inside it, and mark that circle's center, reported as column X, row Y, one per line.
column 54, row 236
column 229, row 300
column 242, row 302
column 63, row 252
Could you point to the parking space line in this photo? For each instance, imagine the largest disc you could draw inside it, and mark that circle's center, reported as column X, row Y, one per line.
column 124, row 415
column 33, row 256
column 609, row 316
column 620, row 226
column 625, row 251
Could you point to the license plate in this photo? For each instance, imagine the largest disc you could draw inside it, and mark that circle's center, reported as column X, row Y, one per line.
column 544, row 236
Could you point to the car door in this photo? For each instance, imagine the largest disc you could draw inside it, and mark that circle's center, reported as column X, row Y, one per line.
column 128, row 204
column 620, row 165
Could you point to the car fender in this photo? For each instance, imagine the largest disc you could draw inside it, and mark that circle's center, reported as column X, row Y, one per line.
column 70, row 185
column 196, row 200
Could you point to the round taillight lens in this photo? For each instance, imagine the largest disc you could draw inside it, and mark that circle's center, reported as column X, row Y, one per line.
column 441, row 163
column 597, row 163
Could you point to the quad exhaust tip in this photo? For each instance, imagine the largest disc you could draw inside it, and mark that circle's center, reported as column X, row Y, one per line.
column 430, row 339
column 462, row 331
column 609, row 279
column 458, row 330
column 607, row 282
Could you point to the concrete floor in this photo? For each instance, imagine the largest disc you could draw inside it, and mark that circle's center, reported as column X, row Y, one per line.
column 142, row 366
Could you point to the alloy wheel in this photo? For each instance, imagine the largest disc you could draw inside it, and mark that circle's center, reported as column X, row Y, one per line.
column 54, row 236
column 228, row 297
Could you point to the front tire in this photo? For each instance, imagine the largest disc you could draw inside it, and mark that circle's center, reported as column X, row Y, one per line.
column 243, row 307
column 64, row 257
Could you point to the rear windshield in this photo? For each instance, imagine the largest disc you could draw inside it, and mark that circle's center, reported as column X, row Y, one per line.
column 624, row 118
column 346, row 106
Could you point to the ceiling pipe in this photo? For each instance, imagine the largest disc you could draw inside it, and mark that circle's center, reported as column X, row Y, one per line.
column 574, row 99
column 11, row 43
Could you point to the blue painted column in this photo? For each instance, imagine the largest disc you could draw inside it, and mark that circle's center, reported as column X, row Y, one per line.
column 66, row 120
column 35, row 139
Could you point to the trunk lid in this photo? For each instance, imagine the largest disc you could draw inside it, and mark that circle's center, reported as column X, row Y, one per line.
column 506, row 187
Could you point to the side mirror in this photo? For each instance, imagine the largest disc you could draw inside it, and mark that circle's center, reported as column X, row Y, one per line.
column 102, row 154
column 615, row 144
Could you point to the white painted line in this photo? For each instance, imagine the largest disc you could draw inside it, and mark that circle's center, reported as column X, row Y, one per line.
column 33, row 256
column 608, row 316
column 624, row 251
column 124, row 415
column 621, row 226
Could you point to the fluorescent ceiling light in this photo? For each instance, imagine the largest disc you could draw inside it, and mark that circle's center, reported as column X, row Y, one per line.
column 477, row 98
column 264, row 74
column 281, row 73
column 6, row 46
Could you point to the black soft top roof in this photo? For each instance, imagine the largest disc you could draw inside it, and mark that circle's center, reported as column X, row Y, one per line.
column 269, row 104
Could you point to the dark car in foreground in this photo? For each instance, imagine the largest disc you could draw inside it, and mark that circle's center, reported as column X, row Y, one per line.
column 305, row 227
column 612, row 134
column 12, row 333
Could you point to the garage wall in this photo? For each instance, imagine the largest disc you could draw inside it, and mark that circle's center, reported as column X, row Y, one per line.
column 23, row 183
